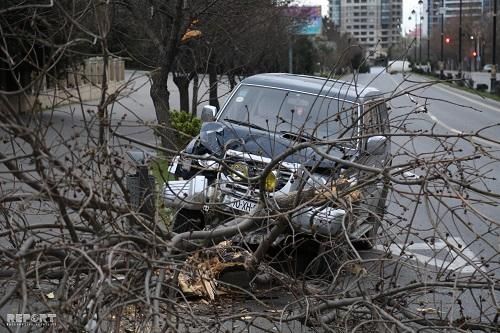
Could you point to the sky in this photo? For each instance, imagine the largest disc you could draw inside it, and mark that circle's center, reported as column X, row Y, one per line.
column 408, row 5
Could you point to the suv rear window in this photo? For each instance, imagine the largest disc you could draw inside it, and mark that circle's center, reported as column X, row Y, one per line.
column 280, row 110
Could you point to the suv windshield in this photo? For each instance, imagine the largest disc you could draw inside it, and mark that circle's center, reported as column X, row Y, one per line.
column 280, row 110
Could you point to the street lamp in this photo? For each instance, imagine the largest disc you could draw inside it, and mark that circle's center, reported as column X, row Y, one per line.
column 428, row 33
column 459, row 75
column 420, row 42
column 493, row 54
column 420, row 3
column 441, row 66
column 413, row 12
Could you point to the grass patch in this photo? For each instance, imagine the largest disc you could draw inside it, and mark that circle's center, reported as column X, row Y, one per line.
column 483, row 94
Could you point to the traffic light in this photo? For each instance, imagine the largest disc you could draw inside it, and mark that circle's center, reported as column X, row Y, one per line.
column 447, row 40
column 474, row 54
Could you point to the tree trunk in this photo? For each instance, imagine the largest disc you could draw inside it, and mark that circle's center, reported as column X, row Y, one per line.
column 194, row 102
column 159, row 89
column 182, row 83
column 232, row 80
column 160, row 96
column 212, row 80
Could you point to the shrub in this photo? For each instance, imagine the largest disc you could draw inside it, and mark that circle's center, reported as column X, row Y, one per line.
column 364, row 68
column 482, row 87
column 187, row 126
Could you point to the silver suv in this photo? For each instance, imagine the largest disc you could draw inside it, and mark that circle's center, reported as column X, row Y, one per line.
column 315, row 132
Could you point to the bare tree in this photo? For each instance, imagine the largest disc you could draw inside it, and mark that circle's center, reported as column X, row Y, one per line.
column 76, row 243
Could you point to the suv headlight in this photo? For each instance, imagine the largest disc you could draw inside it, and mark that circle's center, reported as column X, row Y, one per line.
column 271, row 181
column 208, row 164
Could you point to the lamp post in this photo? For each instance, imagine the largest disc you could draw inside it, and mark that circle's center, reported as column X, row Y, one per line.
column 459, row 75
column 420, row 41
column 441, row 66
column 420, row 4
column 493, row 54
column 413, row 12
column 429, row 35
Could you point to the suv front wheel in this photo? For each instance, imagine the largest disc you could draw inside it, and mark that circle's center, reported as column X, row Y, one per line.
column 187, row 220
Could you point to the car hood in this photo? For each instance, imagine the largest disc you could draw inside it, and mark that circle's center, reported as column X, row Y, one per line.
column 220, row 136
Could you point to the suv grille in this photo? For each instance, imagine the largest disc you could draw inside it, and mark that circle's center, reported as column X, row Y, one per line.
column 251, row 166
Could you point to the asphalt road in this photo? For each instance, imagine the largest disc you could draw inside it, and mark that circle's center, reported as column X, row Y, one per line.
column 435, row 227
column 429, row 225
column 445, row 238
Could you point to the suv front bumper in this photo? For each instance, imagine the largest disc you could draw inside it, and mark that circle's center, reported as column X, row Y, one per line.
column 192, row 194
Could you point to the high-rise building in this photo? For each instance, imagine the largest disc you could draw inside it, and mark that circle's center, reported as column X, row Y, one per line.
column 335, row 11
column 374, row 24
column 488, row 6
column 469, row 7
column 432, row 17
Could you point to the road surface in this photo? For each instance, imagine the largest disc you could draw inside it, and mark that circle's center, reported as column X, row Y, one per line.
column 434, row 238
column 440, row 236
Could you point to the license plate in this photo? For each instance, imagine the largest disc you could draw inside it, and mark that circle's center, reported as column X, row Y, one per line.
column 239, row 204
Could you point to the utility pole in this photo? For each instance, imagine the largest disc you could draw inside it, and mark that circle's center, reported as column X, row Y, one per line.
column 460, row 43
column 493, row 82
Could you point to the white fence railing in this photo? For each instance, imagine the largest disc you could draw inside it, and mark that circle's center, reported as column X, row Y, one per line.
column 81, row 83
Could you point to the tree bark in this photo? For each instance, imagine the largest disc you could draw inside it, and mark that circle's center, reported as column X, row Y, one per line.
column 182, row 83
column 159, row 87
column 194, row 102
column 212, row 79
column 160, row 96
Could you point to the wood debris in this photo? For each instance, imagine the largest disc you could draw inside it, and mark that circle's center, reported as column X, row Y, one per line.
column 201, row 270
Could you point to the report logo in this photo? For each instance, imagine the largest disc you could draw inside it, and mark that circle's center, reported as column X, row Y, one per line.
column 31, row 319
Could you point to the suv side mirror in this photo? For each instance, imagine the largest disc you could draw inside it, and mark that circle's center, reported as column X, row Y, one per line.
column 376, row 145
column 208, row 113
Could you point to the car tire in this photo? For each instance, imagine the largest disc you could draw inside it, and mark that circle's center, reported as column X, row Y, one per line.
column 325, row 263
column 187, row 220
column 309, row 258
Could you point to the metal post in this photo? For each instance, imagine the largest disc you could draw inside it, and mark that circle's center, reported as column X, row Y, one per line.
column 415, row 38
column 414, row 12
column 459, row 75
column 141, row 186
column 493, row 82
column 428, row 35
column 420, row 42
column 290, row 56
column 441, row 66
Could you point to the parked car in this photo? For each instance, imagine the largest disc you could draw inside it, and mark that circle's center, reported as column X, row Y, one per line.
column 398, row 66
column 489, row 67
column 265, row 116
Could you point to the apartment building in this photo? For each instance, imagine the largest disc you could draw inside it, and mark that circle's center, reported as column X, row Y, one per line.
column 373, row 24
column 334, row 11
column 469, row 7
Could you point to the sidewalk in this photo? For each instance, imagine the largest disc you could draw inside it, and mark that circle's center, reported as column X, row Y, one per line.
column 478, row 77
